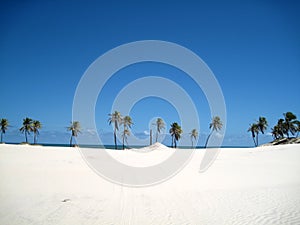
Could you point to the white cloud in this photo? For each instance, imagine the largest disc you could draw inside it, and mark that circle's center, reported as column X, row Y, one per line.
column 219, row 135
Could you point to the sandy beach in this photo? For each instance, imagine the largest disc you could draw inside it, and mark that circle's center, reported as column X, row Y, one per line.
column 54, row 185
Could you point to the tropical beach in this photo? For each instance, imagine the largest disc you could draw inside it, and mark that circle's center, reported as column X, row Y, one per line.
column 149, row 112
column 54, row 185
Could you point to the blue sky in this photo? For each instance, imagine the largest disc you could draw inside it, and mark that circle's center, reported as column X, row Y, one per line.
column 252, row 47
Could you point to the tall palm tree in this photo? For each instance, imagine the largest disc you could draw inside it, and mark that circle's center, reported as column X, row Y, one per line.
column 281, row 128
column 126, row 122
column 254, row 131
column 150, row 136
column 290, row 123
column 27, row 127
column 215, row 125
column 115, row 118
column 160, row 124
column 262, row 124
column 4, row 126
column 75, row 129
column 36, row 125
column 194, row 135
column 175, row 132
column 275, row 132
column 125, row 133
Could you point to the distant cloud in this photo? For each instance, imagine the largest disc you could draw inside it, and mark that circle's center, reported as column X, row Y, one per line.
column 91, row 131
column 218, row 135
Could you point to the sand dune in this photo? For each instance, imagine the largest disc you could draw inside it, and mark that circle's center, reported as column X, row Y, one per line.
column 50, row 185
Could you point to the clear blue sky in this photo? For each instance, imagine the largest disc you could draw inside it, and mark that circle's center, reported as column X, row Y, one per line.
column 252, row 47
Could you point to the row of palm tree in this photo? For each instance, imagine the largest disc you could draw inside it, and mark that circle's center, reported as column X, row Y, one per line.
column 29, row 125
column 176, row 131
column 285, row 127
column 117, row 120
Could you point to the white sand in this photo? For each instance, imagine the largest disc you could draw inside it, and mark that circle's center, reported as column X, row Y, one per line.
column 49, row 185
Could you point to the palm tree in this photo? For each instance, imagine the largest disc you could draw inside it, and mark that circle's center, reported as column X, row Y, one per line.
column 254, row 131
column 275, row 132
column 160, row 124
column 262, row 124
column 290, row 122
column 36, row 125
column 215, row 125
column 4, row 126
column 116, row 119
column 194, row 135
column 150, row 136
column 126, row 122
column 27, row 127
column 175, row 132
column 75, row 129
column 125, row 133
column 281, row 127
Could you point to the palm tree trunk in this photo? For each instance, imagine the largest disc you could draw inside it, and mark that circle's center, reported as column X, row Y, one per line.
column 192, row 143
column 26, row 137
column 256, row 140
column 150, row 136
column 71, row 139
column 208, row 138
column 156, row 136
column 123, row 140
column 115, row 139
column 1, row 137
column 172, row 141
column 34, row 138
column 175, row 143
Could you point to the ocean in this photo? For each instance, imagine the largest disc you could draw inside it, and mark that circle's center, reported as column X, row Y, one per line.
column 120, row 147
